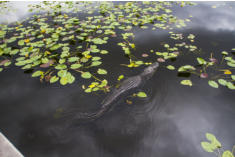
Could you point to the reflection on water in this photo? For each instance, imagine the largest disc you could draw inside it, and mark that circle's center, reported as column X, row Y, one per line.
column 172, row 121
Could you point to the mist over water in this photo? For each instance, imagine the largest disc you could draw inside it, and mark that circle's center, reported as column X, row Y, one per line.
column 172, row 121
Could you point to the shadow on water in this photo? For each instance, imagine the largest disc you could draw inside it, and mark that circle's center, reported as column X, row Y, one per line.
column 172, row 121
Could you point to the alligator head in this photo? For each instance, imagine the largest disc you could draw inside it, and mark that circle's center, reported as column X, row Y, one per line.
column 149, row 71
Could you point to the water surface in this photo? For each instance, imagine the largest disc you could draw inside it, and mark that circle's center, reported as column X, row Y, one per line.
column 172, row 121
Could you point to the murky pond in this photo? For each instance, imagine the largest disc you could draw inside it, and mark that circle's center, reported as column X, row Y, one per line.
column 171, row 121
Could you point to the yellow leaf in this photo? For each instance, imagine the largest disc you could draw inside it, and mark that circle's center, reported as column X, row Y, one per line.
column 132, row 46
column 43, row 31
column 227, row 72
column 92, row 86
column 26, row 40
column 88, row 56
column 47, row 52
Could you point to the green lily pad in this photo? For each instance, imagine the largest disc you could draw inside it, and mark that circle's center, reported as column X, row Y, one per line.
column 102, row 71
column 142, row 94
column 227, row 153
column 96, row 63
column 37, row 73
column 86, row 75
column 75, row 66
column 170, row 67
column 186, row 82
column 201, row 61
column 223, row 82
column 54, row 79
column 213, row 84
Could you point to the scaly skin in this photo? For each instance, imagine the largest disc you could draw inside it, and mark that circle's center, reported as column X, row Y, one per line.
column 126, row 85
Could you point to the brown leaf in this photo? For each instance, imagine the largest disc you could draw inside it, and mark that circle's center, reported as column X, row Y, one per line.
column 145, row 55
column 161, row 60
column 45, row 65
column 129, row 102
column 204, row 75
column 4, row 61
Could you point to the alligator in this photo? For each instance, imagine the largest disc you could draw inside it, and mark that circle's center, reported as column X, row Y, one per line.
column 126, row 85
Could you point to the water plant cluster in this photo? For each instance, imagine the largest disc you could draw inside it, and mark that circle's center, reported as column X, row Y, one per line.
column 65, row 41
column 214, row 146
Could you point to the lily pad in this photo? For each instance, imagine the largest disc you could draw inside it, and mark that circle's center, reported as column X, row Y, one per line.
column 186, row 82
column 142, row 94
column 86, row 75
column 213, row 84
column 102, row 71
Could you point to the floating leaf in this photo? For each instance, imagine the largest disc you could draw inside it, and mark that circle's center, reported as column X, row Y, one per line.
column 96, row 63
column 55, row 47
column 4, row 62
column 224, row 53
column 145, row 55
column 222, row 82
column 21, row 42
column 185, row 68
column 231, row 64
column 203, row 75
column 170, row 67
column 213, row 84
column 142, row 94
column 233, row 77
column 227, row 72
column 96, row 58
column 75, row 66
column 104, row 52
column 102, row 71
column 45, row 65
column 213, row 140
column 161, row 60
column 120, row 77
column 37, row 73
column 230, row 85
column 54, row 79
column 63, row 80
column 88, row 90
column 186, row 82
column 62, row 73
column 60, row 66
column 201, row 61
column 227, row 153
column 207, row 146
column 73, row 59
column 86, row 75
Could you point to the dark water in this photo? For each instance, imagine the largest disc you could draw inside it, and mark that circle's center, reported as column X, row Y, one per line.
column 172, row 121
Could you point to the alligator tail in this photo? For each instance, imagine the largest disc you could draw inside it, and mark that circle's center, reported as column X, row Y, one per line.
column 76, row 117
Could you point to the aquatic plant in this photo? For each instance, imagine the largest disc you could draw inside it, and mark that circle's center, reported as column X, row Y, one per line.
column 214, row 146
column 56, row 45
